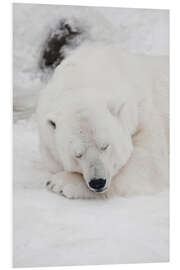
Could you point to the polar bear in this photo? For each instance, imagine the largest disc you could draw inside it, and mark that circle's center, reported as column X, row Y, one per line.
column 103, row 124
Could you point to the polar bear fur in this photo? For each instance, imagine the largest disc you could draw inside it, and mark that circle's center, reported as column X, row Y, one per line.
column 104, row 115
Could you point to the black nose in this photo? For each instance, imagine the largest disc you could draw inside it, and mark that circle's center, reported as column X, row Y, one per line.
column 97, row 183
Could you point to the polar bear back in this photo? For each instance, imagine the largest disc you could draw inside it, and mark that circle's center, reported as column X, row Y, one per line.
column 106, row 72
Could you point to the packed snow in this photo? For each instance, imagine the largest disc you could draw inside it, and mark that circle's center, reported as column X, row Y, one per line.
column 50, row 230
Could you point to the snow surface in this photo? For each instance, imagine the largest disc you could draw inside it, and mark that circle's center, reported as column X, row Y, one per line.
column 50, row 230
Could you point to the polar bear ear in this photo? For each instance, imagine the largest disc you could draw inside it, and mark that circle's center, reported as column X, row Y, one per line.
column 52, row 124
column 51, row 121
column 127, row 113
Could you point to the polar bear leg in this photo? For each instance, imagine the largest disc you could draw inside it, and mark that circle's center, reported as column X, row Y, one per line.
column 70, row 185
column 147, row 171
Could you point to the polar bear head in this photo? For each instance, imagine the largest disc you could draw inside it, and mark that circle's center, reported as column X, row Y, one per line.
column 95, row 142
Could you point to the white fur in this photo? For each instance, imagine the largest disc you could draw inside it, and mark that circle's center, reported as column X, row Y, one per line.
column 102, row 98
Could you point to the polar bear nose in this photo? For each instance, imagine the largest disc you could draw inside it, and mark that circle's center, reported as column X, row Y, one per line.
column 97, row 184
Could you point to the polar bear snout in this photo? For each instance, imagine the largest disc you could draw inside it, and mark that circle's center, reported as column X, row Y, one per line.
column 97, row 185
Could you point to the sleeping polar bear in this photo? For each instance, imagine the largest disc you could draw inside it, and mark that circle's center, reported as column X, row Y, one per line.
column 103, row 124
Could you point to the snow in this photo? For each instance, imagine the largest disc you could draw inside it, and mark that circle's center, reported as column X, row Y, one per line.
column 50, row 230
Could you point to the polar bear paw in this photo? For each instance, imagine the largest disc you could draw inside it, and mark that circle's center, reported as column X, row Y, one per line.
column 71, row 186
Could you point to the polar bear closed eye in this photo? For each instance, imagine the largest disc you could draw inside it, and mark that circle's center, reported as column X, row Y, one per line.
column 100, row 132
